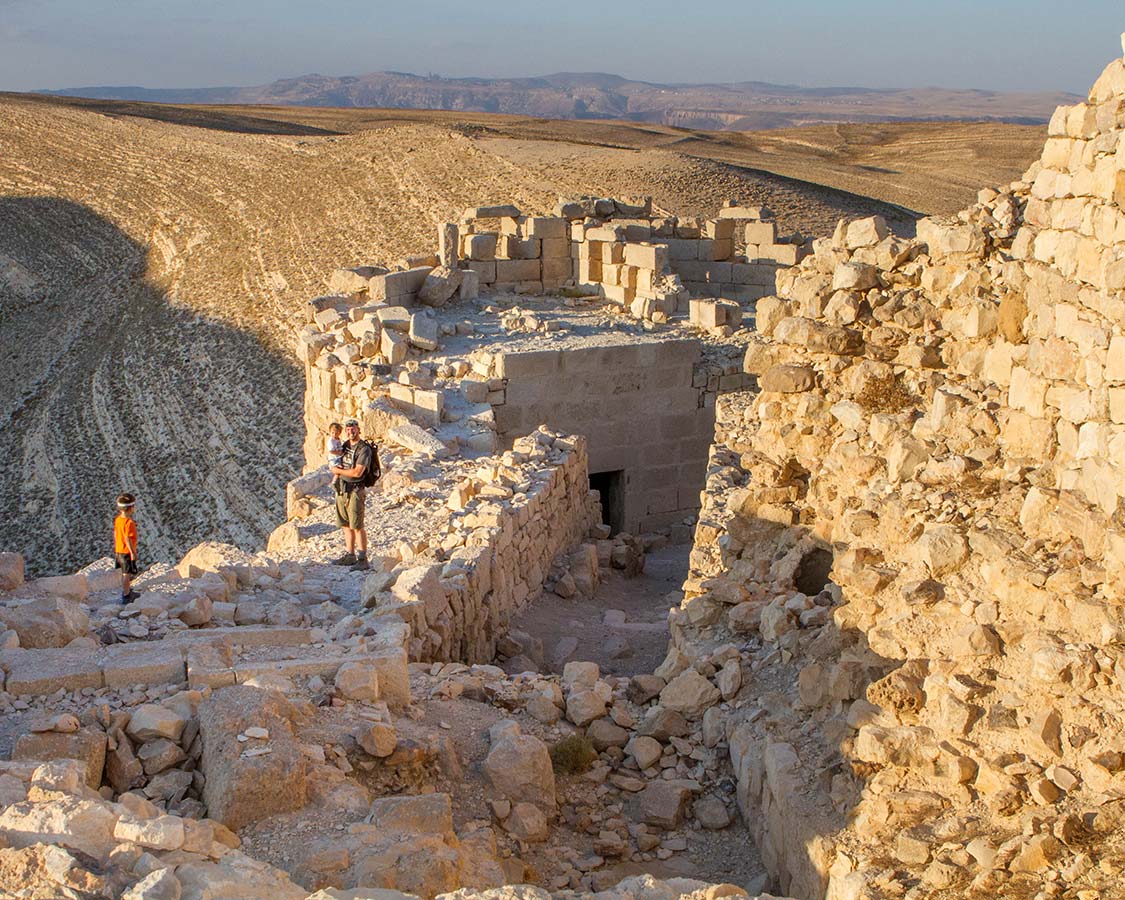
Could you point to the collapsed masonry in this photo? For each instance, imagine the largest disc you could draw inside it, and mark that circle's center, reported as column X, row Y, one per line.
column 915, row 530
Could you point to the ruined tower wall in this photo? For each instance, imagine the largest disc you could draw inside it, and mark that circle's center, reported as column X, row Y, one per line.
column 945, row 417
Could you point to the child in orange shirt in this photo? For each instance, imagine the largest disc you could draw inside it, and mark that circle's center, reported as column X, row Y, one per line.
column 125, row 544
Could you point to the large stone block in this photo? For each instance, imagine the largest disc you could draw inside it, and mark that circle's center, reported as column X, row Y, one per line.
column 86, row 745
column 50, row 622
column 242, row 787
column 41, row 672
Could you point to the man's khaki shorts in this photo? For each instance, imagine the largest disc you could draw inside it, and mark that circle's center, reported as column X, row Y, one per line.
column 349, row 508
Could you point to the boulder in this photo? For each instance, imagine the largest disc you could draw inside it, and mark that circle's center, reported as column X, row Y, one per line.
column 50, row 622
column 378, row 739
column 440, row 286
column 527, row 823
column 150, row 721
column 664, row 804
column 788, row 379
column 689, row 693
column 519, row 768
column 358, row 680
column 86, row 745
column 243, row 788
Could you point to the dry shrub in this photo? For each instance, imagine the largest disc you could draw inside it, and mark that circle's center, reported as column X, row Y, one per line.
column 886, row 395
column 573, row 755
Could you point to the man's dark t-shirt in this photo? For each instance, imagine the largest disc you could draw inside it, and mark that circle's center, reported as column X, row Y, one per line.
column 356, row 453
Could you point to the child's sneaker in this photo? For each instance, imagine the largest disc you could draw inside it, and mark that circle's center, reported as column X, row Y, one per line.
column 361, row 564
column 348, row 559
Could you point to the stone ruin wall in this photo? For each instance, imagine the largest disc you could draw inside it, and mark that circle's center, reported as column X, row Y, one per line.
column 498, row 552
column 370, row 348
column 643, row 411
column 942, row 421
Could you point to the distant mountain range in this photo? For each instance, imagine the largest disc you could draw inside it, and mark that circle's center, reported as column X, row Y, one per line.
column 741, row 106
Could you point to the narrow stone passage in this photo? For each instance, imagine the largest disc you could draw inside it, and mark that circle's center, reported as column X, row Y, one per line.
column 623, row 627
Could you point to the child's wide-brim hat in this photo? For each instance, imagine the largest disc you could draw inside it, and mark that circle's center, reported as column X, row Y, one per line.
column 124, row 501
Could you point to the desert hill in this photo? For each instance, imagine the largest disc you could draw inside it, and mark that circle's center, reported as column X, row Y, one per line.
column 153, row 260
column 735, row 106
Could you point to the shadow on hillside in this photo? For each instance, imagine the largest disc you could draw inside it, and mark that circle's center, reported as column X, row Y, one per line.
column 193, row 116
column 109, row 386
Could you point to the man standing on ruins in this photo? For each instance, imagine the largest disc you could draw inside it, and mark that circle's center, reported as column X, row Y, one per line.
column 358, row 469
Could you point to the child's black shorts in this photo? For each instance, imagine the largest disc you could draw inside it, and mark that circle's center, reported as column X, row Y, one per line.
column 126, row 562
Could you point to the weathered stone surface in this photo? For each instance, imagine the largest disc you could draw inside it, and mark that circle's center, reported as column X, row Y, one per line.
column 150, row 721
column 788, row 379
column 358, row 680
column 689, row 693
column 519, row 768
column 50, row 622
column 87, row 745
column 11, row 571
column 664, row 804
column 240, row 789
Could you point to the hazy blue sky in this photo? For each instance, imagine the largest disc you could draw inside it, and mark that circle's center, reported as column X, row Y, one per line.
column 1004, row 44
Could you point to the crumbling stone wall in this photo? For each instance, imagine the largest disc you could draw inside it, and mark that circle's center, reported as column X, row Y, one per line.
column 945, row 417
column 500, row 546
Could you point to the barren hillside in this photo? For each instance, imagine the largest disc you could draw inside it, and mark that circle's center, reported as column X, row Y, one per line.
column 151, row 270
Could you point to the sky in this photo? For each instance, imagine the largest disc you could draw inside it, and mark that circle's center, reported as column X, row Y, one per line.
column 1033, row 45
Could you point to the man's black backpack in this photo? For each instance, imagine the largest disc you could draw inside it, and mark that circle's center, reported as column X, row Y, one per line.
column 371, row 473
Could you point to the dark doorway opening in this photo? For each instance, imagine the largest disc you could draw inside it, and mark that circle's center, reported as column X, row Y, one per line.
column 611, row 487
column 812, row 572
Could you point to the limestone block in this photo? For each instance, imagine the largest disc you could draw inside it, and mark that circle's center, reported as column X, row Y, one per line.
column 148, row 662
column 479, row 247
column 865, row 232
column 816, row 336
column 393, row 346
column 241, row 789
column 744, row 212
column 440, row 285
column 49, row 622
column 664, row 804
column 500, row 211
column 416, row 439
column 519, row 769
column 150, row 721
column 470, row 284
column 448, row 242
column 648, row 256
column 358, row 680
column 788, row 379
column 87, row 745
column 854, row 276
column 513, row 270
column 351, row 281
column 689, row 693
column 760, row 233
column 424, row 332
column 42, row 672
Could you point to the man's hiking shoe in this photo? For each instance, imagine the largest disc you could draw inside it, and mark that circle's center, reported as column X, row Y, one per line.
column 348, row 559
column 361, row 565
column 129, row 597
